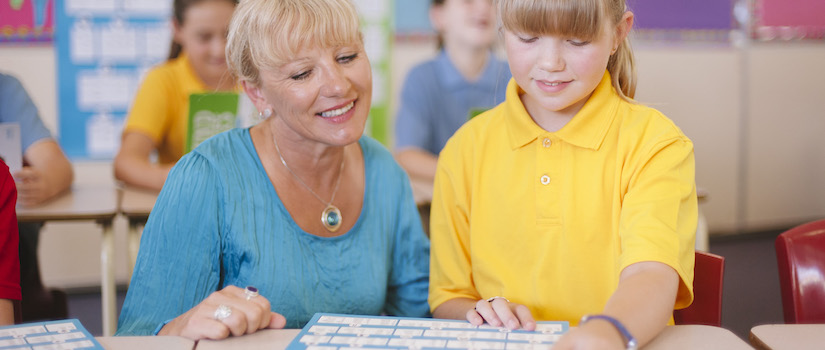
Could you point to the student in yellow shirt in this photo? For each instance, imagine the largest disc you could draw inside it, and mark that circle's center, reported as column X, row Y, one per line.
column 158, row 118
column 569, row 199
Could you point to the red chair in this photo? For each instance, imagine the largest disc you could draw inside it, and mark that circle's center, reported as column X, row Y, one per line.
column 706, row 308
column 800, row 255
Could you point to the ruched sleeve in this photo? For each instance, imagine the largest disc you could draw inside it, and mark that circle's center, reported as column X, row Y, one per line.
column 179, row 262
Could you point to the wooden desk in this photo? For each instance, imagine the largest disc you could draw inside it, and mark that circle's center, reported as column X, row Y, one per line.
column 144, row 343
column 87, row 202
column 135, row 205
column 788, row 336
column 689, row 337
column 269, row 339
column 673, row 338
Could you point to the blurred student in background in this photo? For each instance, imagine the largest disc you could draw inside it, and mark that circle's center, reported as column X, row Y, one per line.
column 46, row 173
column 158, row 118
column 439, row 95
column 9, row 264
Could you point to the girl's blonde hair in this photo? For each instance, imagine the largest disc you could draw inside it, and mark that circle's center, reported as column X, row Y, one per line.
column 265, row 34
column 582, row 19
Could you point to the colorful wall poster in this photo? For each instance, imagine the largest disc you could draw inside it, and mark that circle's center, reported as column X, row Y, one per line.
column 788, row 19
column 103, row 50
column 26, row 21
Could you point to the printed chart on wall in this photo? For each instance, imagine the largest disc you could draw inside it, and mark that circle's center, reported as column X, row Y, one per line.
column 376, row 26
column 26, row 21
column 103, row 49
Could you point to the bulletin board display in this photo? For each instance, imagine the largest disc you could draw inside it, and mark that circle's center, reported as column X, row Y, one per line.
column 26, row 21
column 377, row 28
column 103, row 49
column 788, row 19
column 680, row 20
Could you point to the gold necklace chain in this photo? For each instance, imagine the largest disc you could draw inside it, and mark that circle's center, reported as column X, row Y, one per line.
column 337, row 183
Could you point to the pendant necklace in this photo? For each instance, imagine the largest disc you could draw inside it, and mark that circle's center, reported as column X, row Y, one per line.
column 331, row 216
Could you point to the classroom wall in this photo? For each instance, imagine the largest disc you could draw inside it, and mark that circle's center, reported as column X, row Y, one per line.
column 756, row 117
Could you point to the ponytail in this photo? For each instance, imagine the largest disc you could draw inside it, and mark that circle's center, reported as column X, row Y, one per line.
column 622, row 69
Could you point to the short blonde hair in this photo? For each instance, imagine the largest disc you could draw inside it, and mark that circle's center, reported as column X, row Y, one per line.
column 583, row 19
column 265, row 34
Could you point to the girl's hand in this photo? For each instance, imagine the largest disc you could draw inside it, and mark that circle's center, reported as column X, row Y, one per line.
column 500, row 312
column 228, row 311
column 595, row 334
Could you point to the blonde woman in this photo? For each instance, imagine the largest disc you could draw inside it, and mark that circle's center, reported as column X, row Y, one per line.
column 302, row 208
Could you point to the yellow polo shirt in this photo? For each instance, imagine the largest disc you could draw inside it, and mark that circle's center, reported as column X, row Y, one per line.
column 550, row 219
column 160, row 109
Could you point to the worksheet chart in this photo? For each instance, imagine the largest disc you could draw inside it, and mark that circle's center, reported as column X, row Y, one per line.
column 334, row 332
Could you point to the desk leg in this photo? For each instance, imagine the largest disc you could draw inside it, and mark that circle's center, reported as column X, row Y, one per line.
column 133, row 242
column 108, row 291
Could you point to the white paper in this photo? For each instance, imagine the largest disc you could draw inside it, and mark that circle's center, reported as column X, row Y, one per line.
column 118, row 43
column 86, row 7
column 103, row 135
column 104, row 90
column 158, row 8
column 11, row 146
column 82, row 42
column 155, row 41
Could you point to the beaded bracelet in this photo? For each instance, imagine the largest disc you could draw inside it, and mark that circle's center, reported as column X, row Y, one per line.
column 630, row 341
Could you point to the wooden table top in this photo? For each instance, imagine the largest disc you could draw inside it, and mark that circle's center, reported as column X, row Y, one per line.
column 788, row 336
column 81, row 202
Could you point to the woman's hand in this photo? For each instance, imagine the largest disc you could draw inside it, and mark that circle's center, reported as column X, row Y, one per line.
column 595, row 334
column 500, row 312
column 242, row 313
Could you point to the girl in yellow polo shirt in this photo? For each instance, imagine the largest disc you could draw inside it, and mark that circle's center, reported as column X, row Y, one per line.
column 569, row 199
column 157, row 120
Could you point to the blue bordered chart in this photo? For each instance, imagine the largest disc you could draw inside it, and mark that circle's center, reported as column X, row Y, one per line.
column 52, row 335
column 338, row 332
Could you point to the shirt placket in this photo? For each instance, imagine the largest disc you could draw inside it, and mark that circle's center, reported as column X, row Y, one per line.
column 547, row 179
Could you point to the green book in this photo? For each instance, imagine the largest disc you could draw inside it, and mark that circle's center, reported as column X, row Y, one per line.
column 210, row 114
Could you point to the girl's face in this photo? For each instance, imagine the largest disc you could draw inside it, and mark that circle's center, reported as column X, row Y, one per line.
column 465, row 22
column 323, row 94
column 203, row 37
column 558, row 74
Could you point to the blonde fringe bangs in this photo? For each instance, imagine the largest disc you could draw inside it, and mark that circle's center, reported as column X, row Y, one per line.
column 265, row 34
column 580, row 19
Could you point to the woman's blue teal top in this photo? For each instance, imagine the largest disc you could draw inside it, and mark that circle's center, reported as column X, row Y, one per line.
column 219, row 221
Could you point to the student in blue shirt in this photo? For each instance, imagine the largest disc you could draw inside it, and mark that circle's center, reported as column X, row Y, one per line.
column 439, row 95
column 46, row 173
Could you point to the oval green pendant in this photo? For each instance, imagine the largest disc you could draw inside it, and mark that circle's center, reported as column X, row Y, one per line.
column 331, row 218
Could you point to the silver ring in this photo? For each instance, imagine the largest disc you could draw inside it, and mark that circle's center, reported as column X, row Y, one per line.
column 222, row 312
column 497, row 297
column 250, row 292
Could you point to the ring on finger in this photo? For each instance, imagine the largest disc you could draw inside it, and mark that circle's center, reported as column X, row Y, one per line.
column 250, row 292
column 497, row 297
column 222, row 312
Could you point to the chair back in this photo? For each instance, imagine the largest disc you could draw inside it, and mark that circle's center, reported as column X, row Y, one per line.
column 800, row 256
column 706, row 309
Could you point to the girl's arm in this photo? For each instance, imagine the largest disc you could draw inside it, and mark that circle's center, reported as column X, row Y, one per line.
column 132, row 164
column 643, row 303
column 47, row 174
column 419, row 164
